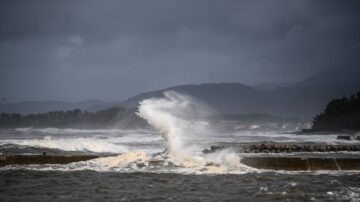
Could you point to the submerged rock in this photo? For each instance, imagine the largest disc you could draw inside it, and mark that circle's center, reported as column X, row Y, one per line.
column 343, row 137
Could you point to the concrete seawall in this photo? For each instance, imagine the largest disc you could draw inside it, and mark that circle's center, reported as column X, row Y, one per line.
column 299, row 163
column 41, row 159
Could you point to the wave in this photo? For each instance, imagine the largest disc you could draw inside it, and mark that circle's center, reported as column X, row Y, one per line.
column 173, row 117
column 70, row 131
column 223, row 162
column 67, row 144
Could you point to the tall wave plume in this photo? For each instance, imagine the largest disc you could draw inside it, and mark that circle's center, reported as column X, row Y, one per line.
column 174, row 117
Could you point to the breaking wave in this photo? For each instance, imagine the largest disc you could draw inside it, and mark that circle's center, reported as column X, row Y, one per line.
column 71, row 131
column 174, row 116
column 74, row 144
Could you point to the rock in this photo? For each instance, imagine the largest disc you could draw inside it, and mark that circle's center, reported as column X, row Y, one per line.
column 213, row 148
column 343, row 137
column 284, row 148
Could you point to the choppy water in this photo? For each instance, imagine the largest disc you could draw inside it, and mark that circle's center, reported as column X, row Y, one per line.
column 23, row 185
column 139, row 171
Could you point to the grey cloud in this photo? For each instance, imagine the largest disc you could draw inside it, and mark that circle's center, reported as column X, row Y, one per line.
column 75, row 50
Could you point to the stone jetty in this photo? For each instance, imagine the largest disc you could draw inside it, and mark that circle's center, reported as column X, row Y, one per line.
column 284, row 148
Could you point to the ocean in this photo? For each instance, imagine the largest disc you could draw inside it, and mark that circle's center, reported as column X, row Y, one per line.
column 167, row 162
column 134, row 167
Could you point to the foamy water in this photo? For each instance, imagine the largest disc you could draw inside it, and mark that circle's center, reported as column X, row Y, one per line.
column 143, row 151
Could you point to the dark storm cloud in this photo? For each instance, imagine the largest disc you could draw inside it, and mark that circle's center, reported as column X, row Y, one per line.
column 74, row 50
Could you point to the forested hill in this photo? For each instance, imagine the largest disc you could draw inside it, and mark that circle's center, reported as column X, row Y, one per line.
column 340, row 115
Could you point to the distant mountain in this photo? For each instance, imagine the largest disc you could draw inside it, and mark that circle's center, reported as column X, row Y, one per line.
column 212, row 92
column 33, row 107
column 301, row 99
column 347, row 75
column 271, row 86
column 328, row 76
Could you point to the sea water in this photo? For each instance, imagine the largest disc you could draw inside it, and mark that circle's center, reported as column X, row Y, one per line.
column 164, row 162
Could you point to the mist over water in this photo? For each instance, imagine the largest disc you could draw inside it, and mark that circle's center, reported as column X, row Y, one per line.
column 174, row 117
column 164, row 115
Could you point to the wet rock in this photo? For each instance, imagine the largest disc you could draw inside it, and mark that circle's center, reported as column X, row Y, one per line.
column 213, row 148
column 284, row 148
column 343, row 137
column 140, row 164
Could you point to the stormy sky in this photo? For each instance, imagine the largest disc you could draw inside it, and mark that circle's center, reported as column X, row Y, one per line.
column 110, row 50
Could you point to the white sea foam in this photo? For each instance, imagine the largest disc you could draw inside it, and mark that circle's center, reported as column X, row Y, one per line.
column 70, row 144
column 136, row 138
column 72, row 131
column 140, row 161
column 173, row 117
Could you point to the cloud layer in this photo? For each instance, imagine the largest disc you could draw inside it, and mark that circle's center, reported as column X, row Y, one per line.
column 74, row 50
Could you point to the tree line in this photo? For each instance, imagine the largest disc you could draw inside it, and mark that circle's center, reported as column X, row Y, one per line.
column 112, row 117
column 340, row 115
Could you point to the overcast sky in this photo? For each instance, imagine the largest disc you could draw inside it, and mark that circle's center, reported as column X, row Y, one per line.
column 110, row 50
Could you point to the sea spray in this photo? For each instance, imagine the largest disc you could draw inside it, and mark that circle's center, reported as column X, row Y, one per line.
column 173, row 116
column 168, row 115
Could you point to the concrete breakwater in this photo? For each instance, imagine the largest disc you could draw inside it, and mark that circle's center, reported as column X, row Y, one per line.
column 300, row 163
column 41, row 159
column 284, row 148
